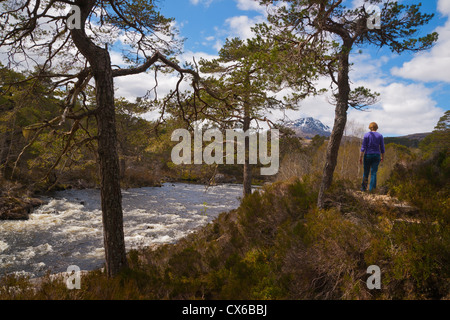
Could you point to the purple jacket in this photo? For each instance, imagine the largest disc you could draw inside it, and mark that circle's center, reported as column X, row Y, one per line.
column 373, row 143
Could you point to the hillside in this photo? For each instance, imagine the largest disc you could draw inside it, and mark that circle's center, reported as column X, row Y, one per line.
column 411, row 140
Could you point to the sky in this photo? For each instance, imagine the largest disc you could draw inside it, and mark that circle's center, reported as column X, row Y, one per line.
column 414, row 87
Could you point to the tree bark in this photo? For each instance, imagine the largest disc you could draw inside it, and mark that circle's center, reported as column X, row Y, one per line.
column 247, row 181
column 111, row 195
column 340, row 122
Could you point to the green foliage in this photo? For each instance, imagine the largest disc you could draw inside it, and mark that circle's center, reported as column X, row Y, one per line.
column 439, row 139
column 23, row 105
column 423, row 251
column 426, row 182
column 422, row 256
column 248, row 277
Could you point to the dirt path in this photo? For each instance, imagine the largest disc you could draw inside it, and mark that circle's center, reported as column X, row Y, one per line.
column 406, row 212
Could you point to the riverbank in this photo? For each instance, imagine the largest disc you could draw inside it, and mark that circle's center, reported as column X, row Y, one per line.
column 18, row 208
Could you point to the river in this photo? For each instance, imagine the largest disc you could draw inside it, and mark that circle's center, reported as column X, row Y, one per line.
column 67, row 230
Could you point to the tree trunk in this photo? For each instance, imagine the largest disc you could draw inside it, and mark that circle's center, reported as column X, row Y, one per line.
column 247, row 183
column 111, row 195
column 340, row 121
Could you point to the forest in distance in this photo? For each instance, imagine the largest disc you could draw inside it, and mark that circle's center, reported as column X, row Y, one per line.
column 307, row 232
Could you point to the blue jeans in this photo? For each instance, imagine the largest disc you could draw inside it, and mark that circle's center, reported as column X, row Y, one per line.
column 371, row 162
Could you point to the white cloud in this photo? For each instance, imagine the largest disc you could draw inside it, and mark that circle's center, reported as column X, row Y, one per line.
column 133, row 86
column 218, row 45
column 444, row 7
column 206, row 3
column 236, row 26
column 240, row 26
column 403, row 109
column 250, row 5
column 188, row 56
column 117, row 59
column 366, row 67
column 357, row 3
column 434, row 64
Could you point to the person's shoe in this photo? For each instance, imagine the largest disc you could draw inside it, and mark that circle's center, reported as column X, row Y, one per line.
column 363, row 187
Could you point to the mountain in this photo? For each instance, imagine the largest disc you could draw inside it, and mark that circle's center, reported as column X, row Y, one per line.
column 308, row 127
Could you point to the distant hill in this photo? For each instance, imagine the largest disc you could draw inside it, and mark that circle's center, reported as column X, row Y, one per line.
column 308, row 127
column 411, row 140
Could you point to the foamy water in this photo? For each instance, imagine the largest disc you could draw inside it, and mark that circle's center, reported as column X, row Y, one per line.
column 68, row 229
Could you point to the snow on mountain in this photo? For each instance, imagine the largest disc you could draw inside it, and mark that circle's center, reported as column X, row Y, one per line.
column 308, row 127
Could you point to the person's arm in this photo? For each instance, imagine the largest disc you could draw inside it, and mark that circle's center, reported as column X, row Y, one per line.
column 382, row 149
column 363, row 149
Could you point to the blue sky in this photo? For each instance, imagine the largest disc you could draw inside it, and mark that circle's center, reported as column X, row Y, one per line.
column 414, row 88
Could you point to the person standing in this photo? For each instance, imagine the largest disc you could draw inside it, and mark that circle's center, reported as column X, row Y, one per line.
column 372, row 152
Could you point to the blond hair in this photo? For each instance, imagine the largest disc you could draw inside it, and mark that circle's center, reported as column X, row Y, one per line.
column 373, row 126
